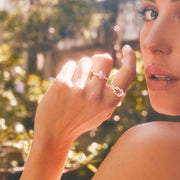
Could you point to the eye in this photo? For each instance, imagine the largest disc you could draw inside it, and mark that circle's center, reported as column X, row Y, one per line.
column 149, row 14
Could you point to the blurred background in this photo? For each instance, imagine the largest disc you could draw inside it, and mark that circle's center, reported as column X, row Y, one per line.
column 36, row 38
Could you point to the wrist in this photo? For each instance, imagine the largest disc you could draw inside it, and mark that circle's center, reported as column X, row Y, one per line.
column 46, row 162
column 51, row 147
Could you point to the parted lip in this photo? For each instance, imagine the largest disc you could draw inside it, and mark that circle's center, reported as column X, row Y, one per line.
column 154, row 70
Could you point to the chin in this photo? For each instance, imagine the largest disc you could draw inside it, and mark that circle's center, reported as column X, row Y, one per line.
column 165, row 105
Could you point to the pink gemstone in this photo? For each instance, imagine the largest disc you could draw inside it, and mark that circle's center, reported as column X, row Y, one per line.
column 101, row 76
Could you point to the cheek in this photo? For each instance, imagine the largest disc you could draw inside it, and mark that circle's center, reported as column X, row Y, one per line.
column 143, row 35
column 165, row 102
column 142, row 39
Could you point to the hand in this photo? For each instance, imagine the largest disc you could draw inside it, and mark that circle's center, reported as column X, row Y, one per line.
column 78, row 101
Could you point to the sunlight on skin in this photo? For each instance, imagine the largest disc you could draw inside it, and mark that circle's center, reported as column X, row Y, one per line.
column 66, row 73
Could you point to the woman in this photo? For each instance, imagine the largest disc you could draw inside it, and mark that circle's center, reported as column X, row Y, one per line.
column 146, row 152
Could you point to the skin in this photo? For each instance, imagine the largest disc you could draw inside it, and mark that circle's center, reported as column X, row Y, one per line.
column 74, row 90
column 152, row 151
column 160, row 45
column 148, row 151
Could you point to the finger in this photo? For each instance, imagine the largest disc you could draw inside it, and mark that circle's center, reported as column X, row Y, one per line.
column 67, row 72
column 126, row 74
column 101, row 68
column 82, row 72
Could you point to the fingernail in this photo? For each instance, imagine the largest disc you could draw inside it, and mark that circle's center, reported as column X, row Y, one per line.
column 108, row 55
column 127, row 47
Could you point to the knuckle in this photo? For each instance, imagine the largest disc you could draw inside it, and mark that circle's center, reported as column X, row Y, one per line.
column 129, row 68
column 78, row 92
column 129, row 73
column 94, row 97
column 112, row 103
column 60, row 86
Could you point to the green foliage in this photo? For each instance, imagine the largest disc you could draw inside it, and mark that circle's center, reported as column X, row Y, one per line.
column 11, row 74
column 8, row 59
column 37, row 27
column 13, row 134
column 19, row 96
column 44, row 23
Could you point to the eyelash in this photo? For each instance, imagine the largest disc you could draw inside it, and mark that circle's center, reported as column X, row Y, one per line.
column 144, row 15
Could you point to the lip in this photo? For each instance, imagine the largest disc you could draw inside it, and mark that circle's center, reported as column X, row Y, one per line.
column 154, row 83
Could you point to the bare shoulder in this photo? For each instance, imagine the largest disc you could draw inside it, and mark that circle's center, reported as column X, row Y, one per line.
column 148, row 151
column 153, row 132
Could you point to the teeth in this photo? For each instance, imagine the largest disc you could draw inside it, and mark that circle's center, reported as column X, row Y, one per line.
column 161, row 77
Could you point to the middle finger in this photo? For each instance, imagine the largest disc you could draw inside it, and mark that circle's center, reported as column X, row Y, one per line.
column 101, row 68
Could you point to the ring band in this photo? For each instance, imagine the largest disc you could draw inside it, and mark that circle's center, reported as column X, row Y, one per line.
column 117, row 91
column 100, row 75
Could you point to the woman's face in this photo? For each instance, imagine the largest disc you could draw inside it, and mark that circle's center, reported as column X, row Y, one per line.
column 160, row 45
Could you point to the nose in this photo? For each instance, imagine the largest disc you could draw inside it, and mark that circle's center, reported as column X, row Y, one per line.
column 157, row 39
